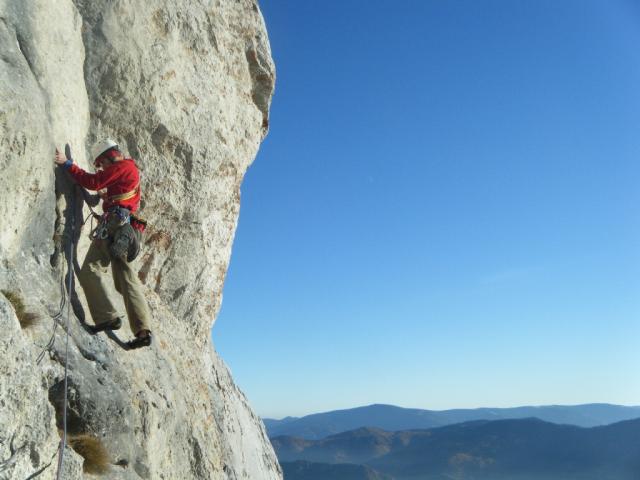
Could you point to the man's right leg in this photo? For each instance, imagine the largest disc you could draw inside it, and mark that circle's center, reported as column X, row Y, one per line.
column 94, row 280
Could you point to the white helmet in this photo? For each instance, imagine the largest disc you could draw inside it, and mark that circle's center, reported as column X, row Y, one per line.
column 102, row 146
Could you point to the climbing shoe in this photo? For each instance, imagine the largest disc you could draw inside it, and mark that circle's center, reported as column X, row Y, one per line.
column 113, row 325
column 139, row 342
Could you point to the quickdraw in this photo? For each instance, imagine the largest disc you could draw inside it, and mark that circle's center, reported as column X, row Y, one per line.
column 100, row 232
column 115, row 217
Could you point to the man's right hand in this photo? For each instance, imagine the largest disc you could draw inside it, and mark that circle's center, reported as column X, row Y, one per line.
column 59, row 159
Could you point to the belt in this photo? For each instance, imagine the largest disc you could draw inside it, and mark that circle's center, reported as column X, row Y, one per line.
column 125, row 196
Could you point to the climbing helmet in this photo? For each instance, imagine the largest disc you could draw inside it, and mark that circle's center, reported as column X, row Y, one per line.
column 102, row 146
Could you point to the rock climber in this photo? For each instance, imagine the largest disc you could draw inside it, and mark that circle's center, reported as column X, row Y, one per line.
column 112, row 241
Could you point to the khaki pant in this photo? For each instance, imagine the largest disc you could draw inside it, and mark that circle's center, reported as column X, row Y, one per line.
column 93, row 277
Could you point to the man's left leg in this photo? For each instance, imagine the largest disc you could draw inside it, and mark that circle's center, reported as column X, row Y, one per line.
column 128, row 285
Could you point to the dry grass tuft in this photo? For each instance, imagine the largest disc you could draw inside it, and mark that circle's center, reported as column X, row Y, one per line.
column 96, row 457
column 27, row 319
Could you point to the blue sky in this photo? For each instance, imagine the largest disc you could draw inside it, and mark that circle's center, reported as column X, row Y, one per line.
column 446, row 210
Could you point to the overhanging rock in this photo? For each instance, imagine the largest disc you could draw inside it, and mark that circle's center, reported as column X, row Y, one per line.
column 185, row 87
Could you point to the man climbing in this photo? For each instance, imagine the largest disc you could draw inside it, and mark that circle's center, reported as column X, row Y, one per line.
column 121, row 179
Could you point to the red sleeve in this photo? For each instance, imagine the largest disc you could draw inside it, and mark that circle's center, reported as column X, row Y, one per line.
column 94, row 181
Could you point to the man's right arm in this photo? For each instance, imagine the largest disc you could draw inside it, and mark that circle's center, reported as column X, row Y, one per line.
column 92, row 181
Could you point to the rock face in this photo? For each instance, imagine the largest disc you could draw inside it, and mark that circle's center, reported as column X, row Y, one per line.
column 185, row 87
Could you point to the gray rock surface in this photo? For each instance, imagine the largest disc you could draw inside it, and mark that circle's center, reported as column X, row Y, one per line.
column 186, row 88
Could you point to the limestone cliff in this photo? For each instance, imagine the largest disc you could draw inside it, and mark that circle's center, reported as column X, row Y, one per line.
column 185, row 87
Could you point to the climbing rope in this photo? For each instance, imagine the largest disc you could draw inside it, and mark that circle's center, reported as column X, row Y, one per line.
column 56, row 319
column 63, row 441
column 93, row 216
column 63, row 297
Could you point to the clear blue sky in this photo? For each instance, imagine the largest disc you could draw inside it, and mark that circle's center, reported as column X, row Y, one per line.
column 446, row 211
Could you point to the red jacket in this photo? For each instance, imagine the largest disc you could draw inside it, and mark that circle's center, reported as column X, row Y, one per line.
column 120, row 178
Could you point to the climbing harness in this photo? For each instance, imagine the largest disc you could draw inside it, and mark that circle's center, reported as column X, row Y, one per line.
column 123, row 230
column 110, row 221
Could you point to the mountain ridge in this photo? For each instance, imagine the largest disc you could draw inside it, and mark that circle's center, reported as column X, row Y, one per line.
column 500, row 449
column 394, row 418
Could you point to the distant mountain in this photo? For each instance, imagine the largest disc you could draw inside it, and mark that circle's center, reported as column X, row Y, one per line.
column 523, row 449
column 271, row 423
column 391, row 418
column 356, row 446
column 323, row 471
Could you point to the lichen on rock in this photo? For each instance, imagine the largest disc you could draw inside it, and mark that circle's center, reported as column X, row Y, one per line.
column 185, row 87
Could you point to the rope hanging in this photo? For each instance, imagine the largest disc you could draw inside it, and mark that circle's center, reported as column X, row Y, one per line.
column 63, row 441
